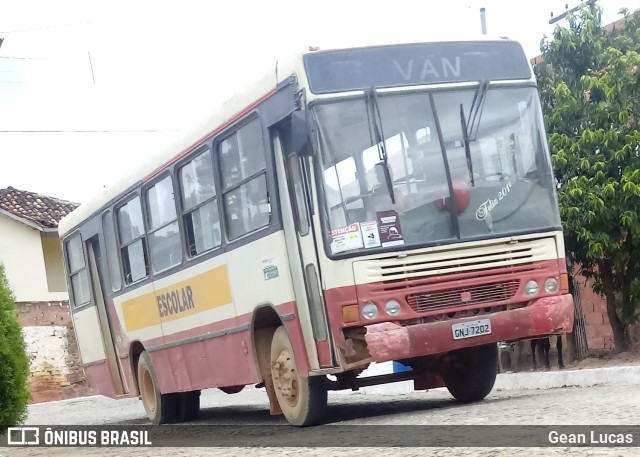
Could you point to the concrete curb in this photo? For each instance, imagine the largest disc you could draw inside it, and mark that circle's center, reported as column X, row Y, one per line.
column 69, row 400
column 609, row 376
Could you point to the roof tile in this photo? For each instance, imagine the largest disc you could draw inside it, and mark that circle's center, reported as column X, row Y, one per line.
column 40, row 209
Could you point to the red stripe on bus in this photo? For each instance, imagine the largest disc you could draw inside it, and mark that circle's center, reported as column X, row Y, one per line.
column 225, row 360
column 98, row 378
column 324, row 354
column 225, row 324
column 216, row 362
column 209, row 135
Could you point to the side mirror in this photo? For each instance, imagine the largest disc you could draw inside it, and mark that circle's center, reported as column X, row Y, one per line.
column 298, row 140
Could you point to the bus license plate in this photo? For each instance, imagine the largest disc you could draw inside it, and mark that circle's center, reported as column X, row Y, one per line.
column 471, row 329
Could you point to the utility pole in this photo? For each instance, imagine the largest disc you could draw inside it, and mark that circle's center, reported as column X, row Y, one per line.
column 591, row 3
column 483, row 21
column 93, row 76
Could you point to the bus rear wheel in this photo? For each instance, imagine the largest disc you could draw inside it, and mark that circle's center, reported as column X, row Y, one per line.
column 303, row 399
column 160, row 408
column 188, row 405
column 472, row 373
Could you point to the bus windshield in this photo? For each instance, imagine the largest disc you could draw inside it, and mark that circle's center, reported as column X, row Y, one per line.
column 484, row 146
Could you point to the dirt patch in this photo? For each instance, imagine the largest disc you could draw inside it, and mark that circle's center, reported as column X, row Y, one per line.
column 608, row 359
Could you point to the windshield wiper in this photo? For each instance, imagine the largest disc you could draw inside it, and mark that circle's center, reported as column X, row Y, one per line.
column 376, row 122
column 477, row 105
column 467, row 149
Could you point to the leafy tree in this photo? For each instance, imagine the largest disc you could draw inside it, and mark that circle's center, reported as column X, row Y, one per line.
column 590, row 89
column 14, row 362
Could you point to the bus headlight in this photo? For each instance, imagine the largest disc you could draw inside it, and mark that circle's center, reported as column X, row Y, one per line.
column 370, row 311
column 551, row 285
column 392, row 307
column 531, row 288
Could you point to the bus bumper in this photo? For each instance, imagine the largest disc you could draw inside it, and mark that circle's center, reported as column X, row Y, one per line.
column 390, row 341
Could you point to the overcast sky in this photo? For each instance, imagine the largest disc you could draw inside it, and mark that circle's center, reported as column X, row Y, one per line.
column 88, row 89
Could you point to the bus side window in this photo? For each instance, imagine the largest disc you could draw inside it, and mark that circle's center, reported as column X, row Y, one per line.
column 112, row 251
column 132, row 241
column 200, row 204
column 298, row 195
column 164, row 233
column 78, row 272
column 244, row 180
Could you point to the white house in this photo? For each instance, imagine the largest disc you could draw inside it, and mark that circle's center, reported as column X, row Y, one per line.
column 29, row 245
column 31, row 254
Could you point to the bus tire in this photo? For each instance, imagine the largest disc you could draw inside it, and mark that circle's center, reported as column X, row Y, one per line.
column 160, row 408
column 303, row 399
column 188, row 407
column 473, row 373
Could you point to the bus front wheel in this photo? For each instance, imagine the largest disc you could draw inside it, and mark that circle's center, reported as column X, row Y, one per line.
column 160, row 408
column 303, row 399
column 472, row 373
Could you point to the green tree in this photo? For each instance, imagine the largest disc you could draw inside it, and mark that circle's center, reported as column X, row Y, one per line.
column 590, row 89
column 14, row 362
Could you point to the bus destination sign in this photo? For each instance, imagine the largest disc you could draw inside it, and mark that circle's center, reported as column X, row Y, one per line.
column 415, row 64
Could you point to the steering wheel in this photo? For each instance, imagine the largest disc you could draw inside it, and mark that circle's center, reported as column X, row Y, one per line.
column 355, row 198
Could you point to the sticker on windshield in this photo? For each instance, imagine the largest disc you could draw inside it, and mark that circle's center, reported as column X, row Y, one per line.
column 370, row 234
column 485, row 208
column 346, row 238
column 389, row 228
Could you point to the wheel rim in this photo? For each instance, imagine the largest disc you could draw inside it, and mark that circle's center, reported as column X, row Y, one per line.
column 148, row 392
column 285, row 378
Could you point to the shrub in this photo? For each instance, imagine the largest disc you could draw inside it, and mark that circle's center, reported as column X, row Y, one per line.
column 14, row 362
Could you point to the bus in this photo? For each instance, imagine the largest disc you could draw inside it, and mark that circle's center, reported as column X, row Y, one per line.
column 357, row 205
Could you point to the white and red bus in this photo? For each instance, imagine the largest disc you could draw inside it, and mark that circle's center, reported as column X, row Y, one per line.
column 358, row 205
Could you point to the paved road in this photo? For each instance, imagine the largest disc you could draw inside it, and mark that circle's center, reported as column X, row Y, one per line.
column 577, row 406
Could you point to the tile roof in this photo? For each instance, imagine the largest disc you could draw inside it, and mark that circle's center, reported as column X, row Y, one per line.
column 39, row 209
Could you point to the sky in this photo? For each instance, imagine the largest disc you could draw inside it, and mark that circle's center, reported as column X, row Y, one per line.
column 90, row 89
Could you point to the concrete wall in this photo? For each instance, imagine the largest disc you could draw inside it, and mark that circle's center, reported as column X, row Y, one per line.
column 48, row 349
column 52, row 252
column 56, row 369
column 21, row 252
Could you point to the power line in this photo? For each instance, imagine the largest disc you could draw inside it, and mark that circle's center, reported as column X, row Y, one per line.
column 66, row 82
column 46, row 27
column 555, row 19
column 91, row 65
column 38, row 58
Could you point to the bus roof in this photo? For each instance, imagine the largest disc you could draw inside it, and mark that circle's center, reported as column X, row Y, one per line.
column 229, row 111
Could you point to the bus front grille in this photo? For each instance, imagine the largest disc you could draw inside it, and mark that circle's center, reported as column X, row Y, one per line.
column 459, row 262
column 463, row 296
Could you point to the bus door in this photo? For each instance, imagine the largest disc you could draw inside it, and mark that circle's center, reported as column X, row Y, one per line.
column 106, row 328
column 301, row 246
